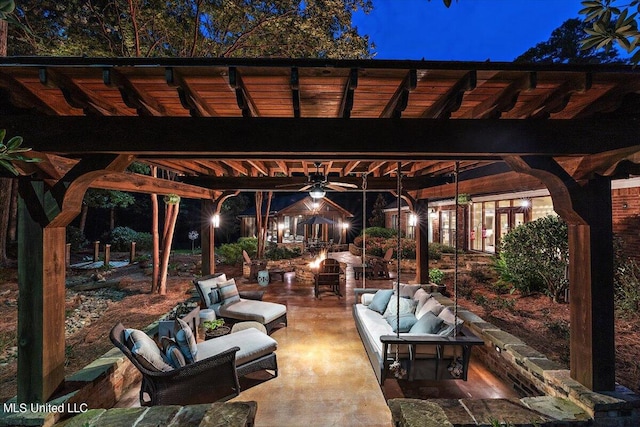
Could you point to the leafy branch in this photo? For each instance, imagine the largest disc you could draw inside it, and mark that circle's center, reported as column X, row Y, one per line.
column 11, row 151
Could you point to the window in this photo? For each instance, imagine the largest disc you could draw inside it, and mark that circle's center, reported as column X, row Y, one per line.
column 447, row 227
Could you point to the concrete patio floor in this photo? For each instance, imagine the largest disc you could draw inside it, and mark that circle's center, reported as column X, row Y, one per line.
column 325, row 378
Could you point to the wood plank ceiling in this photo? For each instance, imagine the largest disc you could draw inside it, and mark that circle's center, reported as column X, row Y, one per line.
column 309, row 89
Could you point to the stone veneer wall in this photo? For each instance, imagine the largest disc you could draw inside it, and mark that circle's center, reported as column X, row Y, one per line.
column 531, row 373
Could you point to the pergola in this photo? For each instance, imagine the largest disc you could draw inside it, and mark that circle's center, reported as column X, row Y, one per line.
column 228, row 125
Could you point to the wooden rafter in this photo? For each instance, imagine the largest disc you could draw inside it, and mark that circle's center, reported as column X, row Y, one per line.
column 346, row 103
column 244, row 101
column 295, row 91
column 24, row 97
column 504, row 100
column 143, row 103
column 400, row 99
column 191, row 100
column 452, row 99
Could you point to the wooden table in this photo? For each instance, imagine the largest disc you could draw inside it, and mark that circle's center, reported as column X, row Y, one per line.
column 357, row 271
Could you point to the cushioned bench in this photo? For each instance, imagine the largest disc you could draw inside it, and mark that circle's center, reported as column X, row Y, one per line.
column 221, row 295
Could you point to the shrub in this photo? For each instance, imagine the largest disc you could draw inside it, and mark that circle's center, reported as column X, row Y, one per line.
column 76, row 238
column 385, row 233
column 627, row 287
column 230, row 253
column 249, row 244
column 275, row 253
column 144, row 241
column 436, row 275
column 437, row 249
column 534, row 257
column 121, row 238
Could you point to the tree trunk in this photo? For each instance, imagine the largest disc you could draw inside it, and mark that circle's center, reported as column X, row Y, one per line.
column 13, row 216
column 5, row 201
column 83, row 217
column 155, row 236
column 4, row 30
column 170, row 225
column 112, row 219
column 258, row 197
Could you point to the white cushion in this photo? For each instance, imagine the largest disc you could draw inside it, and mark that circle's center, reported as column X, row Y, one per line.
column 207, row 285
column 253, row 344
column 422, row 298
column 247, row 309
column 421, row 293
column 407, row 290
column 431, row 305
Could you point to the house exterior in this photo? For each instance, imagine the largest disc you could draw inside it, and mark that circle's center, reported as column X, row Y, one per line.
column 289, row 211
column 484, row 220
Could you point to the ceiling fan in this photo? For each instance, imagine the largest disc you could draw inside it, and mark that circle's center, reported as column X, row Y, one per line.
column 318, row 183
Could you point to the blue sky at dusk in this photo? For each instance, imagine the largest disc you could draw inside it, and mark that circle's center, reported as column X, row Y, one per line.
column 470, row 30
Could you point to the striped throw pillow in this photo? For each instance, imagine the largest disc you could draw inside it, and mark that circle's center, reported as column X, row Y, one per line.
column 229, row 292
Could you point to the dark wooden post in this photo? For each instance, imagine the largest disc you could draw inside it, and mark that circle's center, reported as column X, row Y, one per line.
column 592, row 343
column 96, row 251
column 422, row 242
column 107, row 255
column 41, row 277
column 207, row 238
column 132, row 252
column 67, row 254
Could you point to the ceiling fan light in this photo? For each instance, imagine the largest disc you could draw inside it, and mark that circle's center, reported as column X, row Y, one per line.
column 317, row 192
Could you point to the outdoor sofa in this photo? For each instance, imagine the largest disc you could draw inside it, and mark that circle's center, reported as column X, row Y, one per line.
column 426, row 346
column 205, row 372
column 222, row 296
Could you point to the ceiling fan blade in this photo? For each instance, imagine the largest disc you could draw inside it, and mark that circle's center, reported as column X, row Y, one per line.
column 306, row 187
column 334, row 187
column 288, row 185
column 343, row 184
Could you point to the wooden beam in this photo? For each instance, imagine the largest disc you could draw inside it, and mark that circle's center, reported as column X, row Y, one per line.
column 144, row 104
column 505, row 100
column 295, row 91
column 245, row 103
column 452, row 99
column 23, row 97
column 190, row 99
column 346, row 104
column 398, row 102
column 363, row 139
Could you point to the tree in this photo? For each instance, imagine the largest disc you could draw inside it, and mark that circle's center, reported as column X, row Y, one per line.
column 564, row 46
column 187, row 28
column 107, row 199
column 377, row 214
column 610, row 24
column 231, row 207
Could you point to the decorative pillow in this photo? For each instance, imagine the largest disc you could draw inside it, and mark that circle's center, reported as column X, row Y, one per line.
column 145, row 350
column 172, row 352
column 427, row 324
column 366, row 299
column 406, row 306
column 407, row 320
column 229, row 292
column 214, row 296
column 449, row 317
column 421, row 300
column 186, row 340
column 431, row 305
column 406, row 290
column 208, row 284
column 380, row 300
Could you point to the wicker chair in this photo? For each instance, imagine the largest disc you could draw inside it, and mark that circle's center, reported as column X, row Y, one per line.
column 205, row 381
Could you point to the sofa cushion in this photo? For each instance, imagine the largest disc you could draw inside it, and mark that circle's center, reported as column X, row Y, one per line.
column 449, row 317
column 208, row 284
column 214, row 296
column 229, row 292
column 145, row 350
column 432, row 305
column 172, row 352
column 403, row 324
column 406, row 305
column 253, row 344
column 380, row 300
column 429, row 323
column 186, row 340
column 407, row 290
column 259, row 311
column 374, row 326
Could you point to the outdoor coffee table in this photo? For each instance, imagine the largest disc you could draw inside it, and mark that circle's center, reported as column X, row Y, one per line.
column 275, row 273
column 357, row 271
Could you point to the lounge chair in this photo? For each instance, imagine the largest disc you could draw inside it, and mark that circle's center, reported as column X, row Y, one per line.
column 238, row 309
column 213, row 375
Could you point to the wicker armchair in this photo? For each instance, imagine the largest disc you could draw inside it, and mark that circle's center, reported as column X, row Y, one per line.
column 204, row 381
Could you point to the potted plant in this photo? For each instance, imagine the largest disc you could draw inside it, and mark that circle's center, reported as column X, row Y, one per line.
column 214, row 328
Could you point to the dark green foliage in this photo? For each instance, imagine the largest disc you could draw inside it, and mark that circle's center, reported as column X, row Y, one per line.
column 564, row 47
column 627, row 287
column 380, row 239
column 190, row 28
column 231, row 253
column 437, row 249
column 436, row 276
column 377, row 214
column 121, row 238
column 144, row 241
column 534, row 257
column 76, row 238
column 480, row 274
column 385, row 233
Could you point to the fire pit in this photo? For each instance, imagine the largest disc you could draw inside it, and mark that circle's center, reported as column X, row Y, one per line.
column 305, row 272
